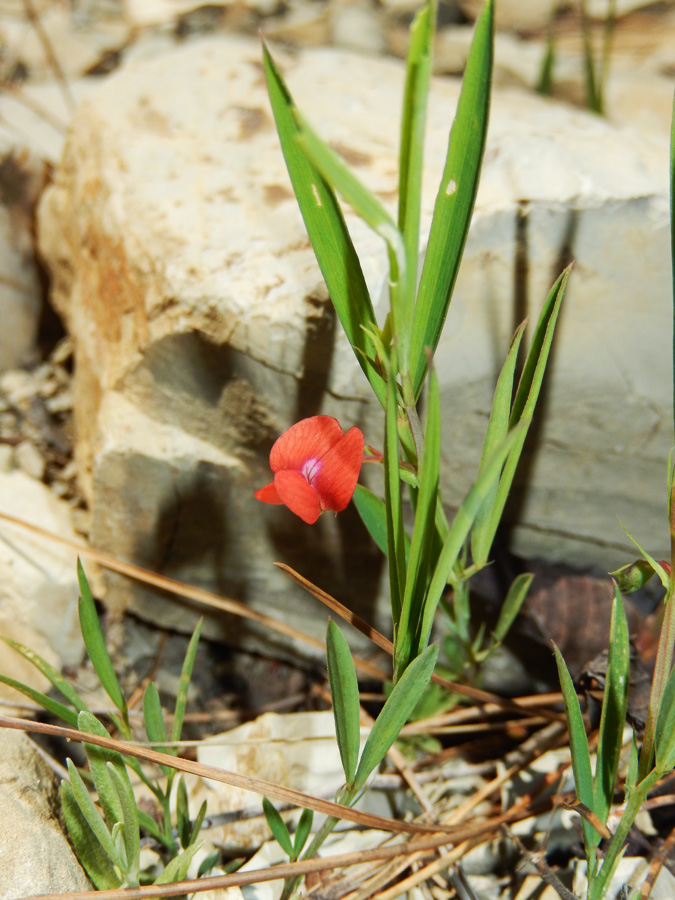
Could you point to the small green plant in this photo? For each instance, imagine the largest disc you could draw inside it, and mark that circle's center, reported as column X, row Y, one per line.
column 315, row 465
column 106, row 836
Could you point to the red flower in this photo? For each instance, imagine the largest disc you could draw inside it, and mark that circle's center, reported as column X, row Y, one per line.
column 316, row 467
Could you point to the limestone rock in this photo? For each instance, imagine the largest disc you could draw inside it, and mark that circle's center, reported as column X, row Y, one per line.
column 202, row 328
column 35, row 856
column 38, row 583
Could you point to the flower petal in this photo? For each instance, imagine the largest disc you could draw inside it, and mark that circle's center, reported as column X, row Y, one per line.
column 340, row 467
column 298, row 495
column 268, row 494
column 307, row 439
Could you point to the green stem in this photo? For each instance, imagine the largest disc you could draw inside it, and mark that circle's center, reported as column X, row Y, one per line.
column 598, row 887
column 664, row 654
column 292, row 884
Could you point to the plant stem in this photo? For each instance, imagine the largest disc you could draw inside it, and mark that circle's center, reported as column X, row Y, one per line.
column 664, row 654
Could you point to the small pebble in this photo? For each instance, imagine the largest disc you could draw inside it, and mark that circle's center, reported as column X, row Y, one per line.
column 6, row 458
column 29, row 458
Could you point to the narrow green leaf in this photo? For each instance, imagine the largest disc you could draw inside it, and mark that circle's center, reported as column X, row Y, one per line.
column 117, row 835
column 632, row 774
column 153, row 719
column 95, row 642
column 461, row 526
column 664, row 735
column 424, row 530
column 63, row 686
column 338, row 175
column 328, row 233
column 395, row 713
column 413, row 125
column 183, row 814
column 511, row 606
column 98, row 758
column 277, row 827
column 302, row 831
column 581, row 757
column 394, row 508
column 184, row 683
column 544, row 84
column 177, row 868
column 613, row 716
column 89, row 812
column 130, row 830
column 147, row 823
column 91, row 855
column 344, row 692
column 524, row 405
column 53, row 706
column 373, row 515
column 482, row 533
column 455, row 199
column 198, row 822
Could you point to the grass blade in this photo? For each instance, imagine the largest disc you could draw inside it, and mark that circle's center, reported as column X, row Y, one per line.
column 53, row 706
column 153, row 719
column 344, row 692
column 63, row 686
column 394, row 509
column 424, row 530
column 613, row 716
column 511, row 606
column 328, row 233
column 89, row 812
column 395, row 713
column 524, row 406
column 277, row 827
column 91, row 855
column 98, row 759
column 455, row 199
column 581, row 757
column 184, row 684
column 461, row 526
column 131, row 833
column 413, row 125
column 95, row 642
column 482, row 533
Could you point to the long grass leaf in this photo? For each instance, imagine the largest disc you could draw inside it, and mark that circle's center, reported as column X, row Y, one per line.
column 328, row 233
column 455, row 199
column 413, row 125
column 184, row 683
column 394, row 509
column 91, row 855
column 130, row 830
column 498, row 425
column 613, row 716
column 53, row 706
column 63, row 686
column 153, row 719
column 524, row 404
column 395, row 713
column 424, row 529
column 581, row 757
column 344, row 692
column 460, row 528
column 95, row 642
column 91, row 815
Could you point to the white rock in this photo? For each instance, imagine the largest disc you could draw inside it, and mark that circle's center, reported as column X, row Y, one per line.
column 38, row 587
column 35, row 855
column 29, row 458
column 191, row 293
